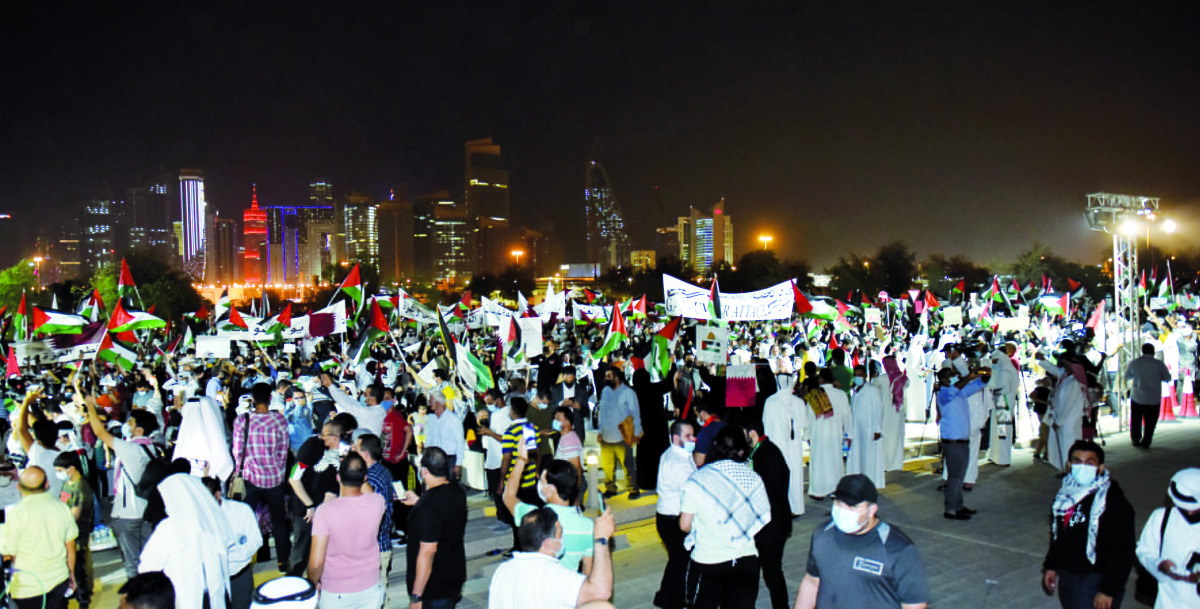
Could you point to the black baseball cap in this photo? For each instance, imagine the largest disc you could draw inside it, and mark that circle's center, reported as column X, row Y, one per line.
column 855, row 489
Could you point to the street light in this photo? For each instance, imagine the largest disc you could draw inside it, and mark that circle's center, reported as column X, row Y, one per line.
column 517, row 254
column 766, row 240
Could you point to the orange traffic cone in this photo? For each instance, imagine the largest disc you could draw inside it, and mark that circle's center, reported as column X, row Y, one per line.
column 1167, row 411
column 1188, row 407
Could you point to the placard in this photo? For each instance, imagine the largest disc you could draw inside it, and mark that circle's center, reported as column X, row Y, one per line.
column 872, row 315
column 212, row 346
column 952, row 316
column 1012, row 324
column 1159, row 302
column 712, row 345
column 1023, row 311
column 289, row 348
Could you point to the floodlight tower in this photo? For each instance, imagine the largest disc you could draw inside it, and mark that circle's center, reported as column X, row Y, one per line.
column 1121, row 216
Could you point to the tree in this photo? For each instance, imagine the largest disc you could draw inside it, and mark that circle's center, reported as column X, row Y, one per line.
column 941, row 274
column 895, row 266
column 14, row 281
column 168, row 289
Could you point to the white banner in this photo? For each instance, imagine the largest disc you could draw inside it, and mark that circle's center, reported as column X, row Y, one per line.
column 494, row 313
column 594, row 312
column 686, row 300
column 212, row 346
column 952, row 316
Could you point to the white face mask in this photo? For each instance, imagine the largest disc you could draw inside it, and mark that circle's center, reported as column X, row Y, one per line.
column 1083, row 473
column 541, row 491
column 562, row 549
column 846, row 520
column 61, row 475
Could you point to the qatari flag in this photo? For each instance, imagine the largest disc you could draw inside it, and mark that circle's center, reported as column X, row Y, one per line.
column 91, row 334
column 320, row 324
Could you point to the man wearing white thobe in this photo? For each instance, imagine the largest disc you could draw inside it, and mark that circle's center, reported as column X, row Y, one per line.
column 867, row 415
column 916, row 396
column 825, row 465
column 893, row 421
column 784, row 422
column 1004, row 386
column 1065, row 417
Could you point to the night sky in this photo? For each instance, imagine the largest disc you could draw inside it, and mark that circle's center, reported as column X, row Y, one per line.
column 958, row 127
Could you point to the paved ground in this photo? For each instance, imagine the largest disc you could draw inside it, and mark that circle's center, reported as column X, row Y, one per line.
column 989, row 562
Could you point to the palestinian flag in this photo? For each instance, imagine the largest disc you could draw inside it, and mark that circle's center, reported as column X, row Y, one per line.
column 123, row 320
column 233, row 321
column 188, row 339
column 49, row 321
column 223, row 305
column 635, row 309
column 959, row 287
column 1142, row 284
column 20, row 321
column 1076, row 288
column 589, row 295
column 664, row 346
column 474, row 373
column 714, row 305
column 282, row 321
column 377, row 327
column 352, row 286
column 993, row 292
column 116, row 354
column 803, row 306
column 931, row 302
column 1096, row 320
column 1031, row 287
column 125, row 284
column 91, row 306
column 329, row 364
column 616, row 333
column 1164, row 288
column 513, row 341
column 447, row 340
column 465, row 303
column 10, row 364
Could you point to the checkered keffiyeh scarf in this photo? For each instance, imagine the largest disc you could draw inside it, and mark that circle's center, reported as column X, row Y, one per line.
column 736, row 494
column 1070, row 495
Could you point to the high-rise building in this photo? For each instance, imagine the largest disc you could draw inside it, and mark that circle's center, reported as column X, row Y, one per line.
column 668, row 241
column 70, row 252
column 453, row 255
column 608, row 242
column 424, row 235
column 224, row 261
column 320, row 193
column 360, row 219
column 496, row 241
column 254, row 241
column 291, row 255
column 705, row 239
column 643, row 260
column 149, row 210
column 396, row 235
column 193, row 212
column 486, row 181
column 105, row 236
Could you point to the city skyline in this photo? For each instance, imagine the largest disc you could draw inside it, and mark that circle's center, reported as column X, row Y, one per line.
column 868, row 122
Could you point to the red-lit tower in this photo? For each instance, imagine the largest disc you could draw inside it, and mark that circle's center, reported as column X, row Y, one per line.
column 254, row 232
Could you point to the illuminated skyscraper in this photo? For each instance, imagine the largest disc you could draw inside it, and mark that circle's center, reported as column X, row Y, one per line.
column 705, row 239
column 487, row 181
column 254, row 235
column 193, row 211
column 608, row 242
column 104, row 234
column 224, row 260
column 149, row 209
column 360, row 219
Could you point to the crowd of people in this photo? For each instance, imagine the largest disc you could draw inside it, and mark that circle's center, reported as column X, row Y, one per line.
column 336, row 468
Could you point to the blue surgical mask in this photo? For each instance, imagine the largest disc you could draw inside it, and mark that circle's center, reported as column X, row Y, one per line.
column 689, row 446
column 953, row 379
column 1083, row 473
column 858, row 381
column 556, row 425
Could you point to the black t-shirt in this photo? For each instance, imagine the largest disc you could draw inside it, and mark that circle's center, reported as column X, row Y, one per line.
column 316, row 482
column 439, row 517
column 880, row 568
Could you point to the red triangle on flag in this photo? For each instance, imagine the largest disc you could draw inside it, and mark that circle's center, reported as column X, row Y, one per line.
column 802, row 304
column 285, row 316
column 235, row 318
column 378, row 320
column 11, row 368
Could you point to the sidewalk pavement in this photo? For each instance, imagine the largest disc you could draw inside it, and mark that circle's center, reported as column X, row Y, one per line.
column 992, row 561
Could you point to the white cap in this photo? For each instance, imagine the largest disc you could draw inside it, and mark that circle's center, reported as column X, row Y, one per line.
column 1185, row 489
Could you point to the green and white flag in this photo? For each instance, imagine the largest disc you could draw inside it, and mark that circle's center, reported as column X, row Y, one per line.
column 47, row 321
column 116, row 354
column 474, row 373
column 616, row 334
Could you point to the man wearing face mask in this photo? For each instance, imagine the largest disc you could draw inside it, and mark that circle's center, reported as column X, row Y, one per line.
column 437, row 564
column 858, row 560
column 1092, row 535
column 674, row 468
column 784, row 422
column 954, row 426
column 557, row 487
column 1170, row 543
column 866, row 430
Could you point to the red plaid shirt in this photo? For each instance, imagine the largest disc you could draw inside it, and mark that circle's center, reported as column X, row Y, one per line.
column 266, row 449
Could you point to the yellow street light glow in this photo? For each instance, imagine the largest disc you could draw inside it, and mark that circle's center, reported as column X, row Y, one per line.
column 1169, row 226
column 1129, row 227
column 766, row 240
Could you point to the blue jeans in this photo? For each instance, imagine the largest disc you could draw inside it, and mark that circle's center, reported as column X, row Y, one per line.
column 131, row 535
column 1078, row 590
column 439, row 603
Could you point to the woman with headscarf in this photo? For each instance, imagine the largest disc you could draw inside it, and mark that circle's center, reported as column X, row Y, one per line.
column 892, row 388
column 191, row 545
column 655, row 435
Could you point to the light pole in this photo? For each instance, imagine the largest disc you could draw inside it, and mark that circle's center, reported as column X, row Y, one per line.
column 517, row 254
column 37, row 270
column 766, row 240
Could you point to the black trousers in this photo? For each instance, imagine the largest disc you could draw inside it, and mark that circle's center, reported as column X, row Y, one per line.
column 1142, row 414
column 728, row 585
column 274, row 498
column 54, row 599
column 671, row 587
column 955, row 454
column 399, row 471
column 770, row 542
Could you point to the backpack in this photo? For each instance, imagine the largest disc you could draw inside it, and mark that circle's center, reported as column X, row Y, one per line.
column 157, row 469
